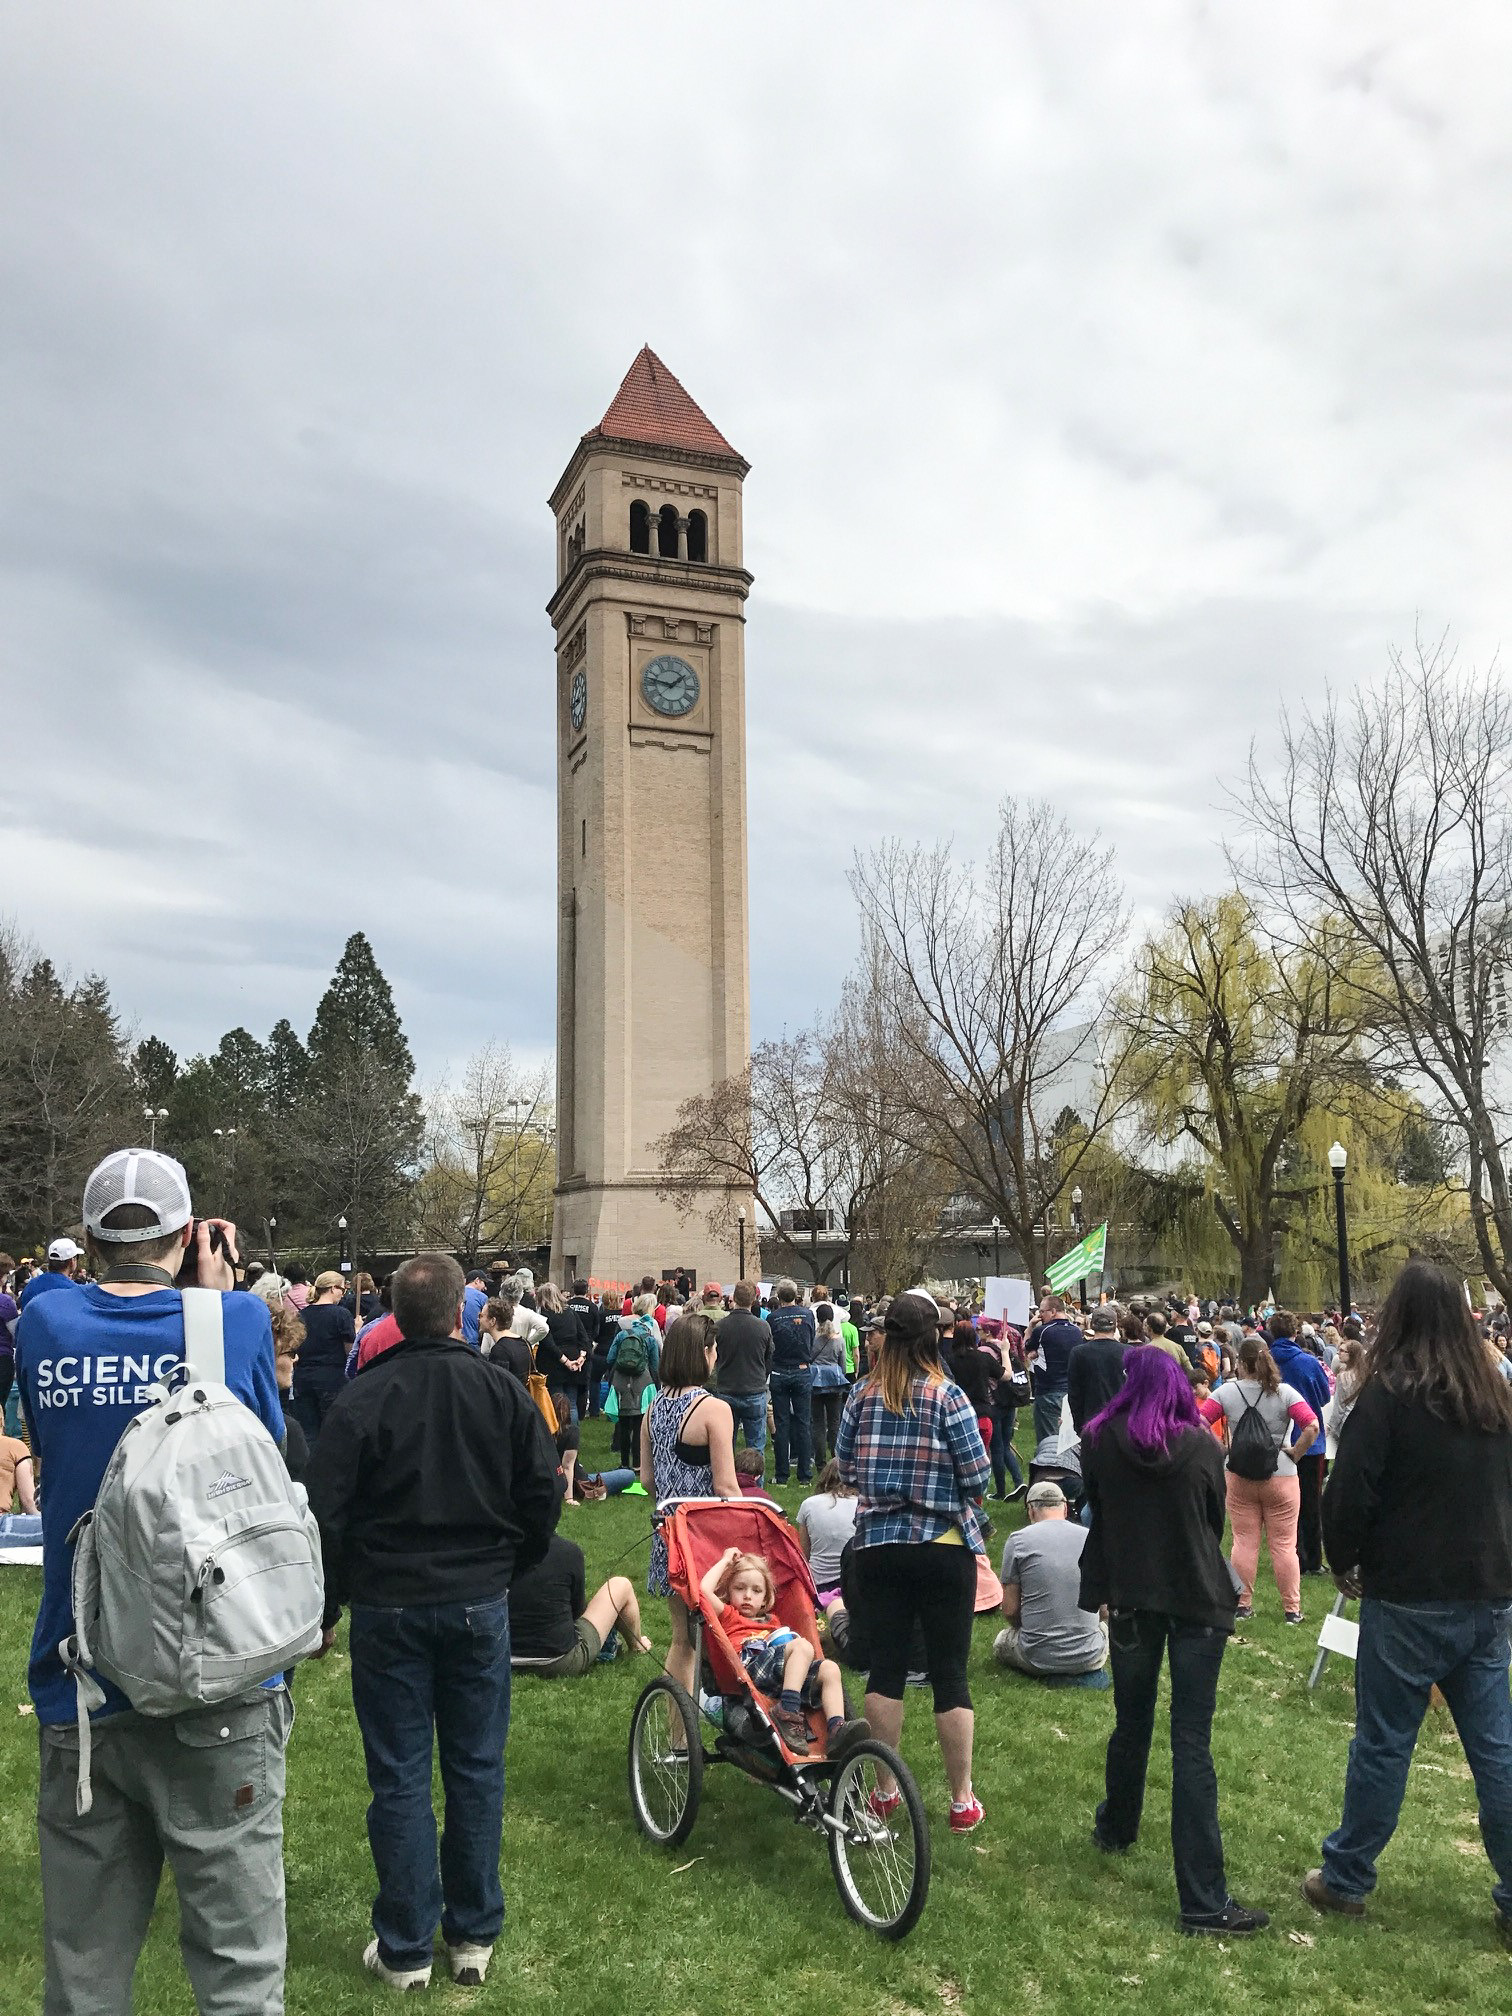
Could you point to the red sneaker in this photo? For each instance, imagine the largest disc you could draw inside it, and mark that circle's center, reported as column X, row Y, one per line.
column 964, row 1818
column 885, row 1804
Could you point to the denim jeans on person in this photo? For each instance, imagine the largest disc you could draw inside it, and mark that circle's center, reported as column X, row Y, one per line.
column 750, row 1411
column 792, row 1421
column 1405, row 1649
column 1005, row 1462
column 1138, row 1642
column 1047, row 1411
column 419, row 1672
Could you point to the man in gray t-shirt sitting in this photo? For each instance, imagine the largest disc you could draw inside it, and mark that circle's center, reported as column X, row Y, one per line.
column 1047, row 1630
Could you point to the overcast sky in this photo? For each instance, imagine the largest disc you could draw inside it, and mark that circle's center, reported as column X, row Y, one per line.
column 1108, row 375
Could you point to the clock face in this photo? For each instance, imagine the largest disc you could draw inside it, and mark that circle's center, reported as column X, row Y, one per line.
column 579, row 699
column 670, row 685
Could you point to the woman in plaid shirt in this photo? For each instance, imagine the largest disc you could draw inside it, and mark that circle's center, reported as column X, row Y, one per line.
column 909, row 1443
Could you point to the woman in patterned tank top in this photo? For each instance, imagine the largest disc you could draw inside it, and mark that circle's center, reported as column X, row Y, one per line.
column 687, row 1451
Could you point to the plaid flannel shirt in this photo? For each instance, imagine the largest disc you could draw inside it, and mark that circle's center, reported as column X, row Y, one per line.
column 916, row 1473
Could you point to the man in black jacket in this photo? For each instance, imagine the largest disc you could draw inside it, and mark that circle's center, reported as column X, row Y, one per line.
column 433, row 1480
column 1095, row 1369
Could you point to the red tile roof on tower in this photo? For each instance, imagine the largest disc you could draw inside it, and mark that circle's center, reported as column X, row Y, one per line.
column 651, row 406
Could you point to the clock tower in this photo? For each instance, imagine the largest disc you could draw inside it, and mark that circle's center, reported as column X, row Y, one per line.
column 653, row 966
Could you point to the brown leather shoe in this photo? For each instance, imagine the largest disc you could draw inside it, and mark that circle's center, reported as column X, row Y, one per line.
column 1321, row 1898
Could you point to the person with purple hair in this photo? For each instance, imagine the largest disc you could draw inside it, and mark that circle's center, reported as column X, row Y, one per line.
column 1153, row 1477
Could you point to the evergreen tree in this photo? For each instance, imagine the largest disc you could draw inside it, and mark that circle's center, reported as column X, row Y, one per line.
column 157, row 1068
column 358, row 1022
column 287, row 1069
column 357, row 1131
column 67, row 1095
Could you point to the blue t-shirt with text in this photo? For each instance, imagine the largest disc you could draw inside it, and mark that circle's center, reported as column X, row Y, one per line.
column 86, row 1363
column 39, row 1284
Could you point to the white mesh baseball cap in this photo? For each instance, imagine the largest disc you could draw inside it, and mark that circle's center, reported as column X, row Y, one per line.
column 137, row 1176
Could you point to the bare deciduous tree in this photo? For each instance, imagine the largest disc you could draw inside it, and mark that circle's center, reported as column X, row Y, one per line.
column 1391, row 814
column 995, row 979
column 489, row 1150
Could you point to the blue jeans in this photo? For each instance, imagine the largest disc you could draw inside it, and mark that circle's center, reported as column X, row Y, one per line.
column 414, row 1670
column 1005, row 1462
column 792, row 1421
column 1138, row 1641
column 1047, row 1412
column 1404, row 1649
column 750, row 1411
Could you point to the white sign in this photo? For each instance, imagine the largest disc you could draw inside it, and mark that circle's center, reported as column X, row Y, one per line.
column 1340, row 1634
column 1008, row 1299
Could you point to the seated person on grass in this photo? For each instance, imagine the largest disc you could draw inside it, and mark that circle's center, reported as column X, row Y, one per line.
column 750, row 1468
column 777, row 1661
column 1047, row 1633
column 553, row 1630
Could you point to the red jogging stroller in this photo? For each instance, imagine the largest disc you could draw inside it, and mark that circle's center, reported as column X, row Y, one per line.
column 866, row 1802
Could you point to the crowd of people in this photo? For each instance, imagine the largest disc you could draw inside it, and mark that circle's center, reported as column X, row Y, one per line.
column 436, row 1422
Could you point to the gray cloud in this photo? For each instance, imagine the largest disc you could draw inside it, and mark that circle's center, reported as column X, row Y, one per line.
column 1108, row 377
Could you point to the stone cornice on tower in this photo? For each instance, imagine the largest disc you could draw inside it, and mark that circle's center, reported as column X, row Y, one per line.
column 607, row 563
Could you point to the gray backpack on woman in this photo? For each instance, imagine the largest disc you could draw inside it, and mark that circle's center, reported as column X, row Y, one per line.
column 197, row 1574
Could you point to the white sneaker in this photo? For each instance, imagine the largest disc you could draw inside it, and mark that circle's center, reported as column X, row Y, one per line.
column 394, row 1977
column 469, row 1964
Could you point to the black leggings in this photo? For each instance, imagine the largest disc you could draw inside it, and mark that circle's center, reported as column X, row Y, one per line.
column 933, row 1585
column 827, row 1408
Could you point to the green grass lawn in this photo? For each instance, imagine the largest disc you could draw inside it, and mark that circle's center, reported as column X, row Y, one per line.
column 1025, row 1913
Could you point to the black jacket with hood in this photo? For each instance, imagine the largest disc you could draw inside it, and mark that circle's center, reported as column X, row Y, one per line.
column 1156, row 1541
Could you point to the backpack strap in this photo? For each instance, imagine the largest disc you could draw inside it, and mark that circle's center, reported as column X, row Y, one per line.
column 205, row 1334
column 74, row 1654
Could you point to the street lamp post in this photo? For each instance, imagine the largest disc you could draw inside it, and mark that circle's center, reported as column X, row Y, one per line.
column 1079, row 1232
column 272, row 1244
column 742, row 1242
column 1338, row 1159
column 997, row 1245
column 514, row 1181
column 346, row 1259
column 152, row 1115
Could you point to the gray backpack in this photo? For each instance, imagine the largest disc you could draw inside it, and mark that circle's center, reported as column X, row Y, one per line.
column 197, row 1575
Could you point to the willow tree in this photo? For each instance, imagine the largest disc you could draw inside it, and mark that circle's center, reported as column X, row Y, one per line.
column 1239, row 1041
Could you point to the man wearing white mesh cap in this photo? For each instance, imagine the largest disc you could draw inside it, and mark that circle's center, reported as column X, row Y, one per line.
column 203, row 1790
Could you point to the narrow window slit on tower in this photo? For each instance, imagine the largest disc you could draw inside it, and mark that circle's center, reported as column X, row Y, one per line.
column 640, row 527
column 698, row 536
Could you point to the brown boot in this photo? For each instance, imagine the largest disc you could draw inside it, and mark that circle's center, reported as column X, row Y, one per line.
column 793, row 1729
column 1321, row 1898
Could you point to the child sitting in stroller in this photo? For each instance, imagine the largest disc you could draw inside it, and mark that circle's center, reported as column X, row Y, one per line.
column 777, row 1661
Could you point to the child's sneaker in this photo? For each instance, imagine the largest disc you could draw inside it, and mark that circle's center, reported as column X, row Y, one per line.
column 793, row 1729
column 964, row 1818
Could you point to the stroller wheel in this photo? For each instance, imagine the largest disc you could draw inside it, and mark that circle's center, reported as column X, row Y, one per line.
column 878, row 1840
column 666, row 1762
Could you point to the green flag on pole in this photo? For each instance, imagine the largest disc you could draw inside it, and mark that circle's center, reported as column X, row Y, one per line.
column 1081, row 1261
